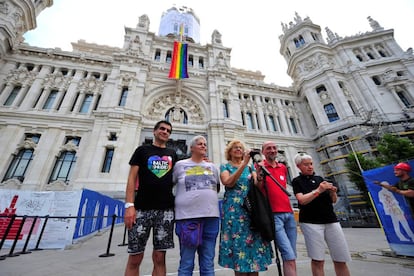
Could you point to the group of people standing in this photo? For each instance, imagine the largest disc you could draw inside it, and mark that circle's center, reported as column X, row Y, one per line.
column 194, row 209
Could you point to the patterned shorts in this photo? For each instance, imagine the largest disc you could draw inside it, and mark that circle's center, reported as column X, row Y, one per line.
column 162, row 223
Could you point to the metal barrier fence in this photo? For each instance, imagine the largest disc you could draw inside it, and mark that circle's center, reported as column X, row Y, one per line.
column 9, row 220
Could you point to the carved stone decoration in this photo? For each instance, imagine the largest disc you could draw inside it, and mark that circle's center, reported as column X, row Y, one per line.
column 221, row 61
column 57, row 81
column 313, row 63
column 134, row 47
column 21, row 76
column 158, row 109
column 92, row 85
column 216, row 37
column 69, row 146
column 143, row 22
column 59, row 185
column 374, row 24
column 324, row 96
column 27, row 144
column 12, row 184
column 4, row 7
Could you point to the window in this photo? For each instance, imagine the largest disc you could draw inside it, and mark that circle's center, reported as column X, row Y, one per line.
column 22, row 159
column 301, row 40
column 97, row 102
column 330, row 111
column 403, row 98
column 225, row 109
column 96, row 75
column 61, row 100
column 376, row 80
column 359, row 57
column 107, row 160
column 12, row 96
column 19, row 165
column 50, row 100
column 74, row 102
column 190, row 60
column 297, row 44
column 64, row 166
column 86, row 103
column 157, row 56
column 124, row 95
column 293, row 125
column 271, row 122
column 200, row 63
column 112, row 136
column 320, row 88
column 169, row 56
column 345, row 144
column 352, row 106
column 249, row 118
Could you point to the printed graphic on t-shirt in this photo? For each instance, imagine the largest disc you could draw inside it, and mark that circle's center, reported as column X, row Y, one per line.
column 160, row 166
column 199, row 178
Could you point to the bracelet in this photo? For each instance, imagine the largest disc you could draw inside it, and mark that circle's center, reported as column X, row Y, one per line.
column 315, row 193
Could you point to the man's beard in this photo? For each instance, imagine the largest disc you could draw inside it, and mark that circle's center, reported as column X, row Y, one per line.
column 272, row 157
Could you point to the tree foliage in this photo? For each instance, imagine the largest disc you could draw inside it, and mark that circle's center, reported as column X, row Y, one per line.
column 393, row 149
column 354, row 171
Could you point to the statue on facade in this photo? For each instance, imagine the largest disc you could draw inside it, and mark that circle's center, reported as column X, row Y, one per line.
column 374, row 24
column 216, row 37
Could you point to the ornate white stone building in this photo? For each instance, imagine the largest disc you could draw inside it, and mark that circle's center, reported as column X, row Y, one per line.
column 71, row 120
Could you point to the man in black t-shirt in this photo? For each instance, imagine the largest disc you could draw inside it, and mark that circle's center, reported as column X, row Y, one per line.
column 152, row 205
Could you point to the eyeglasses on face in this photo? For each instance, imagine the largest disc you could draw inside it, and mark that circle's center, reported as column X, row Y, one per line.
column 164, row 129
column 237, row 148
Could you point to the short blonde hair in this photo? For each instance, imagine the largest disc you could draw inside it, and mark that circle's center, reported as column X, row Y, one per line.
column 302, row 156
column 230, row 145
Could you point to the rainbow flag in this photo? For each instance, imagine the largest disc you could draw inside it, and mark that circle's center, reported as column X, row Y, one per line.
column 178, row 68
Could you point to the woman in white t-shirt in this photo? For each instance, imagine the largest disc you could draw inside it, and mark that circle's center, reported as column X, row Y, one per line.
column 196, row 209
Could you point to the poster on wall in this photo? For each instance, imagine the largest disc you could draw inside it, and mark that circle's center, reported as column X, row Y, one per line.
column 58, row 232
column 397, row 219
column 71, row 215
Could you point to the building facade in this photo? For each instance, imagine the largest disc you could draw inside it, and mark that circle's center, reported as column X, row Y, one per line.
column 71, row 120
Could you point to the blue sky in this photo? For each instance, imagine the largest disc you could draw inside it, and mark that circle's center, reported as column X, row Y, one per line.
column 251, row 30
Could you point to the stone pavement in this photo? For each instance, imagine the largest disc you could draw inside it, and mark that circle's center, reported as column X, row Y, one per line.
column 369, row 248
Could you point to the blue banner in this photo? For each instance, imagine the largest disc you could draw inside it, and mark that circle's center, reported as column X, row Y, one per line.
column 96, row 212
column 392, row 209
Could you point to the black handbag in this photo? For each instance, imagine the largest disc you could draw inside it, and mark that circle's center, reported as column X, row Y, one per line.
column 260, row 212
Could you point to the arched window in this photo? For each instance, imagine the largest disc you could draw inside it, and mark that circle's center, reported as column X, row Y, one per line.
column 124, row 95
column 225, row 109
column 330, row 111
column 64, row 166
column 19, row 165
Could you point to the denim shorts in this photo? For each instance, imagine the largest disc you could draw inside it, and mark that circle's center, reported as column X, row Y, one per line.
column 286, row 235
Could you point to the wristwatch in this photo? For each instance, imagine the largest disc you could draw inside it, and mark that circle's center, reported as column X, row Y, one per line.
column 129, row 204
